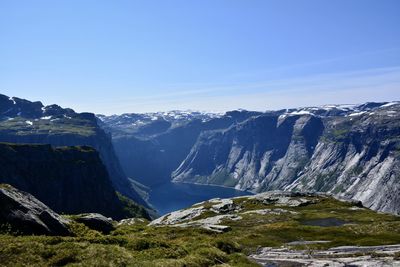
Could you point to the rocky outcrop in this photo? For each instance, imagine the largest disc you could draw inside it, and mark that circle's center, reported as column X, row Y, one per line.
column 96, row 222
column 179, row 216
column 69, row 180
column 23, row 213
column 217, row 210
column 130, row 221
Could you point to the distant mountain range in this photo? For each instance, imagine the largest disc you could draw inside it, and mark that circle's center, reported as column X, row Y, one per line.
column 347, row 150
column 143, row 124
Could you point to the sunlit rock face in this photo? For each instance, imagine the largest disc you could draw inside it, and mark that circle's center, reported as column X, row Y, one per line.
column 358, row 157
column 353, row 153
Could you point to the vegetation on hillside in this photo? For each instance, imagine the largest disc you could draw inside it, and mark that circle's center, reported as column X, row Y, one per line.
column 61, row 125
column 142, row 245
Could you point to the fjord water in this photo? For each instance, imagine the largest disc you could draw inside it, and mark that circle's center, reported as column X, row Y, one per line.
column 169, row 196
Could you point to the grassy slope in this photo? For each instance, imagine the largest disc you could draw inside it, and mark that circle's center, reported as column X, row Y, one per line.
column 141, row 245
column 60, row 125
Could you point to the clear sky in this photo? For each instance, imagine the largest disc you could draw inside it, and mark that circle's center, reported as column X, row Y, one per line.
column 121, row 56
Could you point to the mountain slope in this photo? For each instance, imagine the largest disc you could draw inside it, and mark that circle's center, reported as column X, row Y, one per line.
column 264, row 149
column 358, row 157
column 352, row 152
column 151, row 158
column 23, row 121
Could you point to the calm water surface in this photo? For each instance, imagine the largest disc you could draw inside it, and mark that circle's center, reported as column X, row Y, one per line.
column 174, row 196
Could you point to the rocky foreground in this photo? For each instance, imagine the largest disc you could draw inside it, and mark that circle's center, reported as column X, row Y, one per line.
column 268, row 229
column 229, row 209
column 216, row 215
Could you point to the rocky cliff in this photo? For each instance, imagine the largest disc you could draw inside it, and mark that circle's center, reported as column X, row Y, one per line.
column 23, row 121
column 69, row 180
column 264, row 150
column 354, row 154
column 358, row 157
column 150, row 158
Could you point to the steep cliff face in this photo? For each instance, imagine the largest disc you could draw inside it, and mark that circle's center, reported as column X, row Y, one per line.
column 353, row 154
column 151, row 158
column 266, row 151
column 358, row 157
column 22, row 121
column 68, row 179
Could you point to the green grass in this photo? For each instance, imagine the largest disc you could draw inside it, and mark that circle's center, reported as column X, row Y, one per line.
column 137, row 245
column 76, row 125
column 142, row 245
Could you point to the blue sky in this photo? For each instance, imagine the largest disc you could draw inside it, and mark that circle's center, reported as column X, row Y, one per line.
column 216, row 55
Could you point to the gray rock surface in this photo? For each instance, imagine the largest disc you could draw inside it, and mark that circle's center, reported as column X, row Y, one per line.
column 130, row 221
column 219, row 210
column 96, row 222
column 337, row 256
column 223, row 205
column 279, row 198
column 179, row 216
column 23, row 213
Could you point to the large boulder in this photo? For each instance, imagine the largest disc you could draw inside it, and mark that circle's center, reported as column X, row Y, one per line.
column 25, row 214
column 96, row 222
